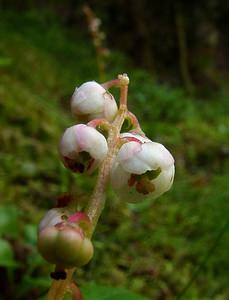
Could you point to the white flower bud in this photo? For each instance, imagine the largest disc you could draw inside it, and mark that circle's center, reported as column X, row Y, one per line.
column 92, row 101
column 82, row 147
column 142, row 168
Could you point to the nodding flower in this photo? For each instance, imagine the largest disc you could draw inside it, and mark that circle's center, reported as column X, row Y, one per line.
column 91, row 101
column 142, row 168
column 82, row 148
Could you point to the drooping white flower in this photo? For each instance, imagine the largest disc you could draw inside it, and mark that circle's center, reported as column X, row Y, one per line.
column 142, row 168
column 82, row 148
column 92, row 101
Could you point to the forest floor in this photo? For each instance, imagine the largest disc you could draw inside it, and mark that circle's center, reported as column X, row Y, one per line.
column 175, row 247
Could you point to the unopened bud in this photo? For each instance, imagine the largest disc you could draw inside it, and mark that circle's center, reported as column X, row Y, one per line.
column 91, row 101
column 65, row 244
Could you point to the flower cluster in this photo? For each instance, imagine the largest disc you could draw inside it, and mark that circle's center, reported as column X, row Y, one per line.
column 141, row 167
column 134, row 165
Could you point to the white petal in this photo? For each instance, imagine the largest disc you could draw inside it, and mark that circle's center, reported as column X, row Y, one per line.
column 138, row 158
column 52, row 217
column 119, row 177
column 110, row 107
column 128, row 150
column 155, row 155
column 119, row 182
column 80, row 138
column 136, row 165
column 92, row 141
column 88, row 98
column 163, row 182
column 68, row 145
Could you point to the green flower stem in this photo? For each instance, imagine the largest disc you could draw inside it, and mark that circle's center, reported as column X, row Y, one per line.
column 97, row 200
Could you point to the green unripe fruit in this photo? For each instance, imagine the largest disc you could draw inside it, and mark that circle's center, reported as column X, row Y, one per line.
column 46, row 243
column 65, row 245
column 87, row 251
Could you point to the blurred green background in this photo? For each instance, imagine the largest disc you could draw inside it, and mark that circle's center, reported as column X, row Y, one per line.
column 176, row 56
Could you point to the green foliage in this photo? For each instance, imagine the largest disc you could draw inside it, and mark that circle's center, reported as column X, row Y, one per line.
column 6, row 255
column 151, row 248
column 8, row 220
column 96, row 292
column 5, row 61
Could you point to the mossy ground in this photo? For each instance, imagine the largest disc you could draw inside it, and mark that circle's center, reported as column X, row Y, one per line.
column 153, row 248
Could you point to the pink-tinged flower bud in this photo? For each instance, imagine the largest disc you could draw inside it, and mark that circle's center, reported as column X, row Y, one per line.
column 65, row 245
column 53, row 217
column 82, row 148
column 142, row 168
column 92, row 101
column 81, row 219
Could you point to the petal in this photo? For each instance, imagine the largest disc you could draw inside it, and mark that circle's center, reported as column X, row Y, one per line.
column 155, row 155
column 110, row 107
column 90, row 140
column 119, row 177
column 88, row 98
column 136, row 165
column 51, row 218
column 138, row 158
column 128, row 150
column 69, row 146
column 163, row 182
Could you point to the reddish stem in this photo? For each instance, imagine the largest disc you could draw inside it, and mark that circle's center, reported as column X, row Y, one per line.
column 108, row 84
column 98, row 122
column 76, row 291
